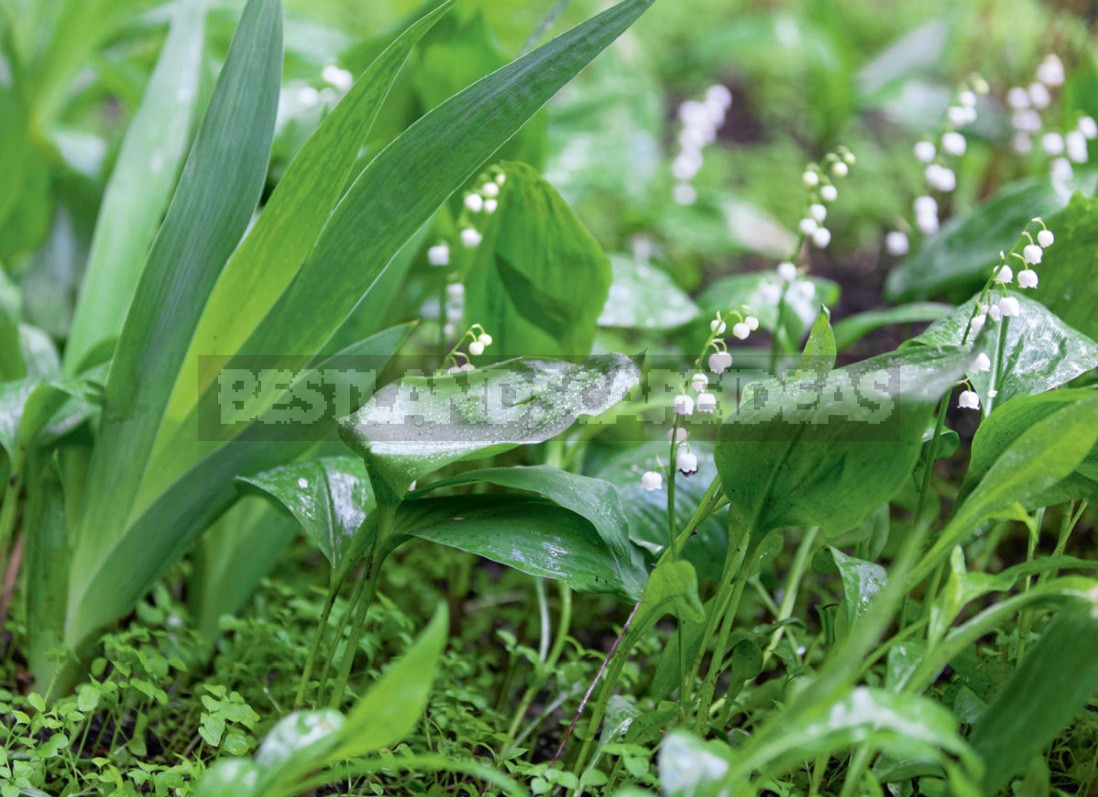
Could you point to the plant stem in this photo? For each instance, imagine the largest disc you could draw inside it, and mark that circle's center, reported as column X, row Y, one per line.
column 314, row 647
column 792, row 586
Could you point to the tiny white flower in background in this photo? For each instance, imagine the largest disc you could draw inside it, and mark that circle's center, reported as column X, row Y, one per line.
column 719, row 94
column 808, row 226
column 501, row 178
column 717, row 327
column 1022, row 143
column 490, row 190
column 686, row 165
column 448, row 330
column 490, row 205
column 455, row 290
column 821, row 237
column 769, row 293
column 471, row 238
column 652, row 480
column 927, row 223
column 439, row 255
column 953, row 143
column 340, row 78
column 453, row 369
column 720, row 361
column 1010, row 307
column 1039, row 96
column 740, row 331
column 1018, row 98
column 1061, row 170
column 699, row 382
column 925, row 205
column 1051, row 71
column 1027, row 278
column 1088, row 127
column 1045, row 238
column 817, row 212
column 896, row 243
column 308, row 96
column 968, row 400
column 1027, row 120
column 959, row 115
column 804, row 289
column 476, row 348
column 468, row 367
column 484, row 339
column 752, row 322
column 684, row 194
column 684, row 405
column 454, row 313
column 978, row 323
column 787, row 271
column 982, row 364
column 1004, row 275
column 1032, row 254
column 941, row 178
column 925, row 151
column 1076, row 145
column 1052, row 143
column 995, row 312
column 829, row 193
column 707, row 402
column 474, row 202
column 840, row 169
column 967, row 98
column 677, row 435
column 810, row 179
column 686, row 463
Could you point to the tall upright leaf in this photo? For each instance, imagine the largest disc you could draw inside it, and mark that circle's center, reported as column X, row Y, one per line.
column 140, row 185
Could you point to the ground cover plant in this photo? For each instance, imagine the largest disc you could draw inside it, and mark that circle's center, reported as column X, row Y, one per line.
column 566, row 398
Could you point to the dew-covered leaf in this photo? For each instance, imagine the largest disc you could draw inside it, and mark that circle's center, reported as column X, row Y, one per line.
column 645, row 297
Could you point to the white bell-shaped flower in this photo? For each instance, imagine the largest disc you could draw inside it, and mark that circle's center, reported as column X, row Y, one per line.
column 968, row 400
column 652, row 480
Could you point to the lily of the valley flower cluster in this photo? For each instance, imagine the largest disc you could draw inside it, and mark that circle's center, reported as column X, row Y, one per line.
column 482, row 201
column 701, row 119
column 820, row 181
column 1029, row 103
column 457, row 360
column 1005, row 306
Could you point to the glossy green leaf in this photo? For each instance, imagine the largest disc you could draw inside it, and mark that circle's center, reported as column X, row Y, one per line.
column 230, row 777
column 299, row 740
column 1067, row 285
column 392, row 707
column 853, row 328
column 671, row 589
column 1050, row 688
column 958, row 259
column 595, row 500
column 1037, row 352
column 413, row 427
column 690, row 767
column 819, row 350
column 1038, row 458
column 826, row 452
column 539, row 280
column 217, row 193
column 998, row 431
column 645, row 297
column 140, row 186
column 861, row 582
column 761, row 292
column 532, row 535
column 329, row 497
column 646, row 510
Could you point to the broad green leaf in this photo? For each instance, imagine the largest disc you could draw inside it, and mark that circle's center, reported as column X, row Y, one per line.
column 532, row 535
column 392, row 707
column 861, row 582
column 999, row 430
column 645, row 297
column 819, row 350
column 1051, row 687
column 271, row 256
column 539, row 280
column 646, row 510
column 595, row 500
column 903, row 725
column 369, row 225
column 329, row 497
column 1036, row 353
column 230, row 777
column 853, row 328
column 959, row 258
column 671, row 589
column 140, row 185
column 1038, row 458
column 761, row 292
column 828, row 451
column 298, row 743
column 413, row 427
column 1067, row 285
column 211, row 208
